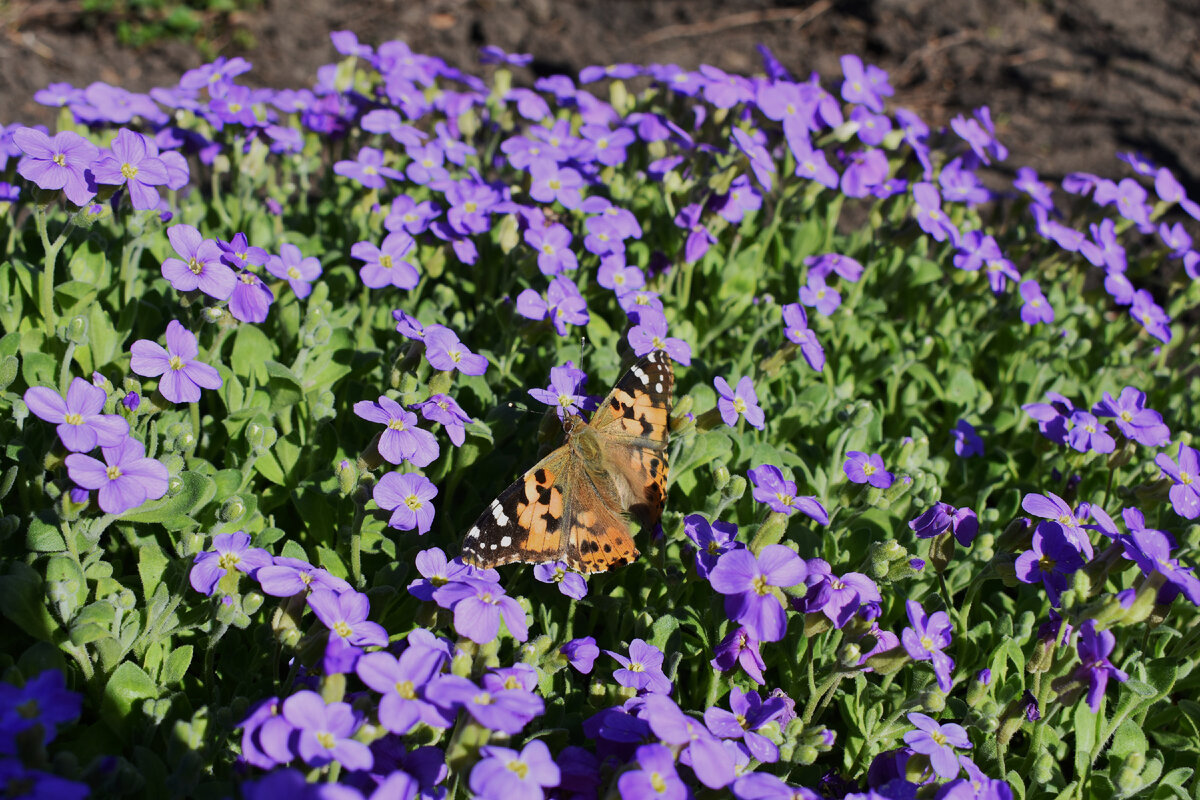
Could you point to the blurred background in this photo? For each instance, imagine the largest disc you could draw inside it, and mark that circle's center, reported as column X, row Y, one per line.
column 1070, row 83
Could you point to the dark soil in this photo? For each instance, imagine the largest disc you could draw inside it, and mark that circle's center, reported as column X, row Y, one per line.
column 1070, row 83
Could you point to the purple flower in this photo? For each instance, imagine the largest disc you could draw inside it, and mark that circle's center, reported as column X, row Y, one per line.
column 747, row 713
column 740, row 403
column 506, row 710
column 713, row 764
column 553, row 245
column 572, row 584
column 400, row 680
column 401, row 439
column 1151, row 550
column 1088, row 433
column 345, row 615
column 863, row 468
column 437, row 571
column 642, row 670
column 761, row 163
column 747, row 581
column 44, row 700
column 58, row 163
column 710, row 540
column 251, row 299
column 581, row 653
column 445, row 352
column 657, row 778
column 699, row 236
column 838, row 597
column 938, row 742
column 1036, row 308
column 443, row 409
column 740, row 647
column 1185, row 472
column 1094, row 648
column 504, row 774
column 478, row 606
column 815, row 294
column 199, row 266
column 961, row 522
column 980, row 133
column 563, row 304
column 867, row 172
column 779, row 494
column 1052, row 558
column 615, row 274
column 565, row 381
column 237, row 253
column 325, row 731
column 550, row 182
column 858, row 86
column 125, row 479
column 298, row 270
column 1053, row 418
column 966, row 441
column 650, row 333
column 134, row 163
column 368, row 169
column 1130, row 415
column 81, row 426
column 795, row 327
column 231, row 551
column 930, row 216
column 408, row 496
column 926, row 640
column 183, row 376
column 285, row 577
column 1150, row 315
column 410, row 216
column 1130, row 197
column 1052, row 507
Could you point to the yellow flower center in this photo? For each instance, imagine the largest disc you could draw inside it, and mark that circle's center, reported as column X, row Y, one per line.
column 658, row 782
column 414, row 503
column 786, row 499
column 113, row 472
column 246, row 278
column 739, row 405
column 548, row 249
column 229, row 561
column 129, row 171
column 483, row 699
column 326, row 739
column 342, row 629
column 519, row 767
column 405, row 690
column 176, row 363
column 396, row 424
column 293, row 273
column 926, row 642
column 555, row 183
column 73, row 419
column 195, row 266
column 636, row 666
column 759, row 584
column 370, row 171
column 1126, row 416
column 60, row 159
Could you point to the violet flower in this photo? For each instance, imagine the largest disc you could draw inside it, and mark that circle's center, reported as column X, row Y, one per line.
column 58, row 163
column 81, row 426
column 183, row 376
column 125, row 479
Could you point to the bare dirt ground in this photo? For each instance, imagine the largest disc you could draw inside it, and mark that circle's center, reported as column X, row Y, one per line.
column 1069, row 82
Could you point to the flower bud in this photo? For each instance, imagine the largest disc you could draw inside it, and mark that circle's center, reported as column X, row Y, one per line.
column 770, row 531
column 734, row 490
column 232, row 509
column 440, row 382
column 77, row 330
column 720, row 476
column 252, row 602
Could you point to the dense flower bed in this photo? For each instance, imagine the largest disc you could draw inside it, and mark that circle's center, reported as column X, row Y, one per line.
column 931, row 478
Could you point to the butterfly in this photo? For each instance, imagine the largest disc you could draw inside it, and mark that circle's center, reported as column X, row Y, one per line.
column 575, row 504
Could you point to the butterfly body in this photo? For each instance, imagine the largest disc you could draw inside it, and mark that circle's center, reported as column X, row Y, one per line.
column 575, row 504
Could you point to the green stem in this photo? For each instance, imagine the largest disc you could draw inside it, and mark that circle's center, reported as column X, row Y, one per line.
column 51, row 250
column 64, row 369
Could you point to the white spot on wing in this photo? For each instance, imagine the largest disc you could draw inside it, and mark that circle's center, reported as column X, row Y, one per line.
column 506, row 541
column 658, row 387
column 498, row 514
column 473, row 533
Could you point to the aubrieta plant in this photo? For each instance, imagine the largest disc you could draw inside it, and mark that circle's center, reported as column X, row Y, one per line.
column 261, row 360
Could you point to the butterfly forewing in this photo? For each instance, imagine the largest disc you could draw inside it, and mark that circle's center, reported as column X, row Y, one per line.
column 525, row 522
column 566, row 509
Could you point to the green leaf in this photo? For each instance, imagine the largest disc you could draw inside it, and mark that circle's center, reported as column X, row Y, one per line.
column 1087, row 728
column 251, row 348
column 23, row 601
column 93, row 622
column 285, row 388
column 194, row 491
column 128, row 684
column 177, row 665
column 43, row 536
column 152, row 565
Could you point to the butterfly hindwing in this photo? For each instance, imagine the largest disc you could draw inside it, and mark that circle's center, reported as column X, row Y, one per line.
column 526, row 522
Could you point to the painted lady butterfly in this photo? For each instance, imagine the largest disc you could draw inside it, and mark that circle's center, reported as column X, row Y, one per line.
column 575, row 504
